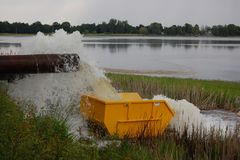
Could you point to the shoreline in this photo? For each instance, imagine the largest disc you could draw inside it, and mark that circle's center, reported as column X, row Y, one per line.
column 176, row 74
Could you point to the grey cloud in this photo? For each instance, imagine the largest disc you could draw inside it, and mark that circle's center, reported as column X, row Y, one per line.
column 168, row 12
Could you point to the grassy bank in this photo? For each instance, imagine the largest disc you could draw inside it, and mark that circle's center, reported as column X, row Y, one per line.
column 206, row 94
column 33, row 137
column 28, row 136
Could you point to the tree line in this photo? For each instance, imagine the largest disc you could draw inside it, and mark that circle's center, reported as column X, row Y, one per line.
column 115, row 26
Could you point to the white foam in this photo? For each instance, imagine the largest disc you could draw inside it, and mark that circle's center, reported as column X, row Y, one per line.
column 186, row 114
column 189, row 116
column 60, row 93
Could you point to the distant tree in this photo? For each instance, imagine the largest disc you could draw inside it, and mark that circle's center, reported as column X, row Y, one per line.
column 219, row 30
column 36, row 27
column 56, row 26
column 112, row 25
column 196, row 30
column 143, row 30
column 233, row 30
column 88, row 28
column 205, row 30
column 102, row 28
column 171, row 31
column 5, row 27
column 17, row 27
column 155, row 28
column 118, row 26
column 66, row 26
column 46, row 28
column 188, row 29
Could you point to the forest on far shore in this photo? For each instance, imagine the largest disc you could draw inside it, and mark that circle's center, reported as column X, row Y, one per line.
column 115, row 26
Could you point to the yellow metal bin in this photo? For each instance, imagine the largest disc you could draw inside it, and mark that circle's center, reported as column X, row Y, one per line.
column 129, row 116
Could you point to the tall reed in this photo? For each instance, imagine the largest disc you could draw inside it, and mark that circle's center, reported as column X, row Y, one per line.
column 205, row 94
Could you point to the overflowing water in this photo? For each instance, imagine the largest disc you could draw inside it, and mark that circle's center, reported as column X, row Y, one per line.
column 60, row 93
column 190, row 117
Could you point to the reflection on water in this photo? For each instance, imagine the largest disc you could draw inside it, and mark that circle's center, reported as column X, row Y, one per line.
column 115, row 48
column 192, row 57
column 115, row 45
column 6, row 44
column 202, row 58
column 7, row 48
column 175, row 40
column 112, row 48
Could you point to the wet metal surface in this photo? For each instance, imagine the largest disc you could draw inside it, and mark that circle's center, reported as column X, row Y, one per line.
column 12, row 66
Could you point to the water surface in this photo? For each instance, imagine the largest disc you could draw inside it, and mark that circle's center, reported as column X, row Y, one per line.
column 201, row 58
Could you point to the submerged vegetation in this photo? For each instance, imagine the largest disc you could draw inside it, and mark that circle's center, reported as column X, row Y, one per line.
column 115, row 26
column 206, row 94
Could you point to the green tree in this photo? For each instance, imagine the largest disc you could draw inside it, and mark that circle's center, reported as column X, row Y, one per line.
column 188, row 29
column 219, row 30
column 172, row 31
column 143, row 30
column 233, row 30
column 56, row 26
column 66, row 26
column 196, row 30
column 205, row 30
column 36, row 27
column 102, row 28
column 112, row 25
column 46, row 28
column 155, row 28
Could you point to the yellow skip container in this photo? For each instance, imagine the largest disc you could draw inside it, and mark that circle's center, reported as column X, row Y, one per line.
column 130, row 116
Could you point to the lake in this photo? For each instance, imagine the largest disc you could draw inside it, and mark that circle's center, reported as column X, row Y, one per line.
column 188, row 57
column 201, row 58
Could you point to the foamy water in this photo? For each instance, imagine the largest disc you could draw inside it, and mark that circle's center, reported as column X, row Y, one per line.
column 189, row 116
column 60, row 93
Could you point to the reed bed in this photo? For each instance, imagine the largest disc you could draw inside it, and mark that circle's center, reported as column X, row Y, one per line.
column 206, row 94
column 198, row 143
column 28, row 136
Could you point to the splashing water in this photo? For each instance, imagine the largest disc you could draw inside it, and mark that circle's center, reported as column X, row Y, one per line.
column 188, row 116
column 60, row 93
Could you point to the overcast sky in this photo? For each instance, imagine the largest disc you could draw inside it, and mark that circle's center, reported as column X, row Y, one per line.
column 168, row 12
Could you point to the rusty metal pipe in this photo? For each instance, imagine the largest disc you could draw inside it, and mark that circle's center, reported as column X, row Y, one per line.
column 39, row 63
column 16, row 66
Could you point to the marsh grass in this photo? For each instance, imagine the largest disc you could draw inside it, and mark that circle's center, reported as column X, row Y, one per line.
column 28, row 136
column 206, row 94
column 175, row 146
column 33, row 137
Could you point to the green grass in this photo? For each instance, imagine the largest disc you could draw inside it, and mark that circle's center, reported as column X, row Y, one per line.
column 173, row 146
column 206, row 94
column 28, row 136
